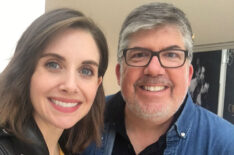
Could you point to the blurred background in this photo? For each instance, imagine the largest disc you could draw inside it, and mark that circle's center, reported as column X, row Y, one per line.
column 212, row 22
column 15, row 17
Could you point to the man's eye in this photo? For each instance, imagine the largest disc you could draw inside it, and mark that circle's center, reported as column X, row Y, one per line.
column 86, row 72
column 171, row 55
column 52, row 65
column 138, row 55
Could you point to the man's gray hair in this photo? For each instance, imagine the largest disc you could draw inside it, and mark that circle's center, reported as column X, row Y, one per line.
column 151, row 16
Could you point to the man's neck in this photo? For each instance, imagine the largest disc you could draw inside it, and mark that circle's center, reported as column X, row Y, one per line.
column 142, row 132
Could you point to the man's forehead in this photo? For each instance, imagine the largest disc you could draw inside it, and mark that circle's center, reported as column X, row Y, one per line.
column 164, row 37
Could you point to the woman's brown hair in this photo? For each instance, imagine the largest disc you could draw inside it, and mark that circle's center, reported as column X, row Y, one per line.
column 15, row 104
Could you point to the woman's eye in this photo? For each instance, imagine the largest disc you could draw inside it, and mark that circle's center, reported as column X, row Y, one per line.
column 52, row 65
column 86, row 72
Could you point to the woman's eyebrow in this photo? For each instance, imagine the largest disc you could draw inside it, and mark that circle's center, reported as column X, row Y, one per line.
column 90, row 62
column 53, row 55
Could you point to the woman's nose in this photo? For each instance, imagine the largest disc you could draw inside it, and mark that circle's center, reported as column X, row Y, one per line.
column 69, row 83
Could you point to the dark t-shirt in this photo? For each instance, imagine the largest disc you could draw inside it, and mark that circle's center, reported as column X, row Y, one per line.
column 122, row 144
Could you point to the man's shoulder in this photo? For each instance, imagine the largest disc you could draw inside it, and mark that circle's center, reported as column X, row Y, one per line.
column 206, row 130
column 219, row 131
column 213, row 119
column 114, row 109
column 200, row 115
column 215, row 129
column 108, row 97
column 114, row 101
column 200, row 121
column 114, row 97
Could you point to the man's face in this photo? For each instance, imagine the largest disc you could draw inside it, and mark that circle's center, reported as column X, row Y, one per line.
column 153, row 92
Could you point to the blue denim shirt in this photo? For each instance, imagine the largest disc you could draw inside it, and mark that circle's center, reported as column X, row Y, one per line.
column 196, row 132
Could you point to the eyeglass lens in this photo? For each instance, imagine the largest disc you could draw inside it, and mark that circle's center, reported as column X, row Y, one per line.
column 167, row 58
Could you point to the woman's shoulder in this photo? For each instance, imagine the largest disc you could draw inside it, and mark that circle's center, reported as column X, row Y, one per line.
column 6, row 146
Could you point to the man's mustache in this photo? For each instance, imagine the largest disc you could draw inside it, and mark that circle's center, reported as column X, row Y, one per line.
column 162, row 80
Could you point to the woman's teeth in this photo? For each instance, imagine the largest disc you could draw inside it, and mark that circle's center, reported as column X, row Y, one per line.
column 64, row 104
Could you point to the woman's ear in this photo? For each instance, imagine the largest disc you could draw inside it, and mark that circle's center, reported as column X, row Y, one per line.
column 99, row 80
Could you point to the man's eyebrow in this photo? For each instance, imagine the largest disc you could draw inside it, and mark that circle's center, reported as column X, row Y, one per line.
column 171, row 47
column 53, row 55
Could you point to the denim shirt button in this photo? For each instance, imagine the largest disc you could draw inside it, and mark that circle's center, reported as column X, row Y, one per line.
column 182, row 134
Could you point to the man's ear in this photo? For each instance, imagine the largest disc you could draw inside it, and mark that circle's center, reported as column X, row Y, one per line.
column 117, row 72
column 190, row 73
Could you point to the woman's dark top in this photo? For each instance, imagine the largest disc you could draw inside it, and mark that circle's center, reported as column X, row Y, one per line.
column 11, row 145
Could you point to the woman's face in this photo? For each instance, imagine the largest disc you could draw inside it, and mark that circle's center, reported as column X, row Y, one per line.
column 65, row 81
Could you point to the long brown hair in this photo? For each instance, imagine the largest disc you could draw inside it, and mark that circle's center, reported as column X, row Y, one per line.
column 15, row 104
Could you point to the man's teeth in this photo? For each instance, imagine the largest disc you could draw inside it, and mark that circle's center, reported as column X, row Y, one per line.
column 154, row 88
column 64, row 104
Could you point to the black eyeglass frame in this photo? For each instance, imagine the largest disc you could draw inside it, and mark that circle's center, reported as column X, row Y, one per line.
column 154, row 53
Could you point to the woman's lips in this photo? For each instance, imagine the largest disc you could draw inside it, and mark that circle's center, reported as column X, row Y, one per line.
column 65, row 105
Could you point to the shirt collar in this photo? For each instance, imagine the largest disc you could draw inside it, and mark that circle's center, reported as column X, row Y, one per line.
column 182, row 121
column 185, row 120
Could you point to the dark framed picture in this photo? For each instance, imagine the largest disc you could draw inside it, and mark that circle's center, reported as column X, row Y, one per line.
column 204, row 87
column 228, row 111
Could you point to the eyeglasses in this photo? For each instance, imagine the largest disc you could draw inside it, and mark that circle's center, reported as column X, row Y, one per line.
column 168, row 58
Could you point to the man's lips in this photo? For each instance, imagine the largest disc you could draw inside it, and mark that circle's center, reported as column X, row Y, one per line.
column 154, row 88
column 154, row 84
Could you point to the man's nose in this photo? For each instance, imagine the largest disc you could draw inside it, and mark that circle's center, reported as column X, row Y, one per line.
column 154, row 67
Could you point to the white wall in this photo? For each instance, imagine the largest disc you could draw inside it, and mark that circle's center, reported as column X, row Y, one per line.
column 15, row 17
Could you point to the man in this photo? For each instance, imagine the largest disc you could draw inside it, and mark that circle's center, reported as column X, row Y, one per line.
column 154, row 114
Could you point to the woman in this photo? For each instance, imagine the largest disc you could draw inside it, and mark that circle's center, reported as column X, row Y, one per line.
column 51, row 92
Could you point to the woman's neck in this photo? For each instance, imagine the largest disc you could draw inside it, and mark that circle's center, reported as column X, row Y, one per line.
column 51, row 139
column 51, row 135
